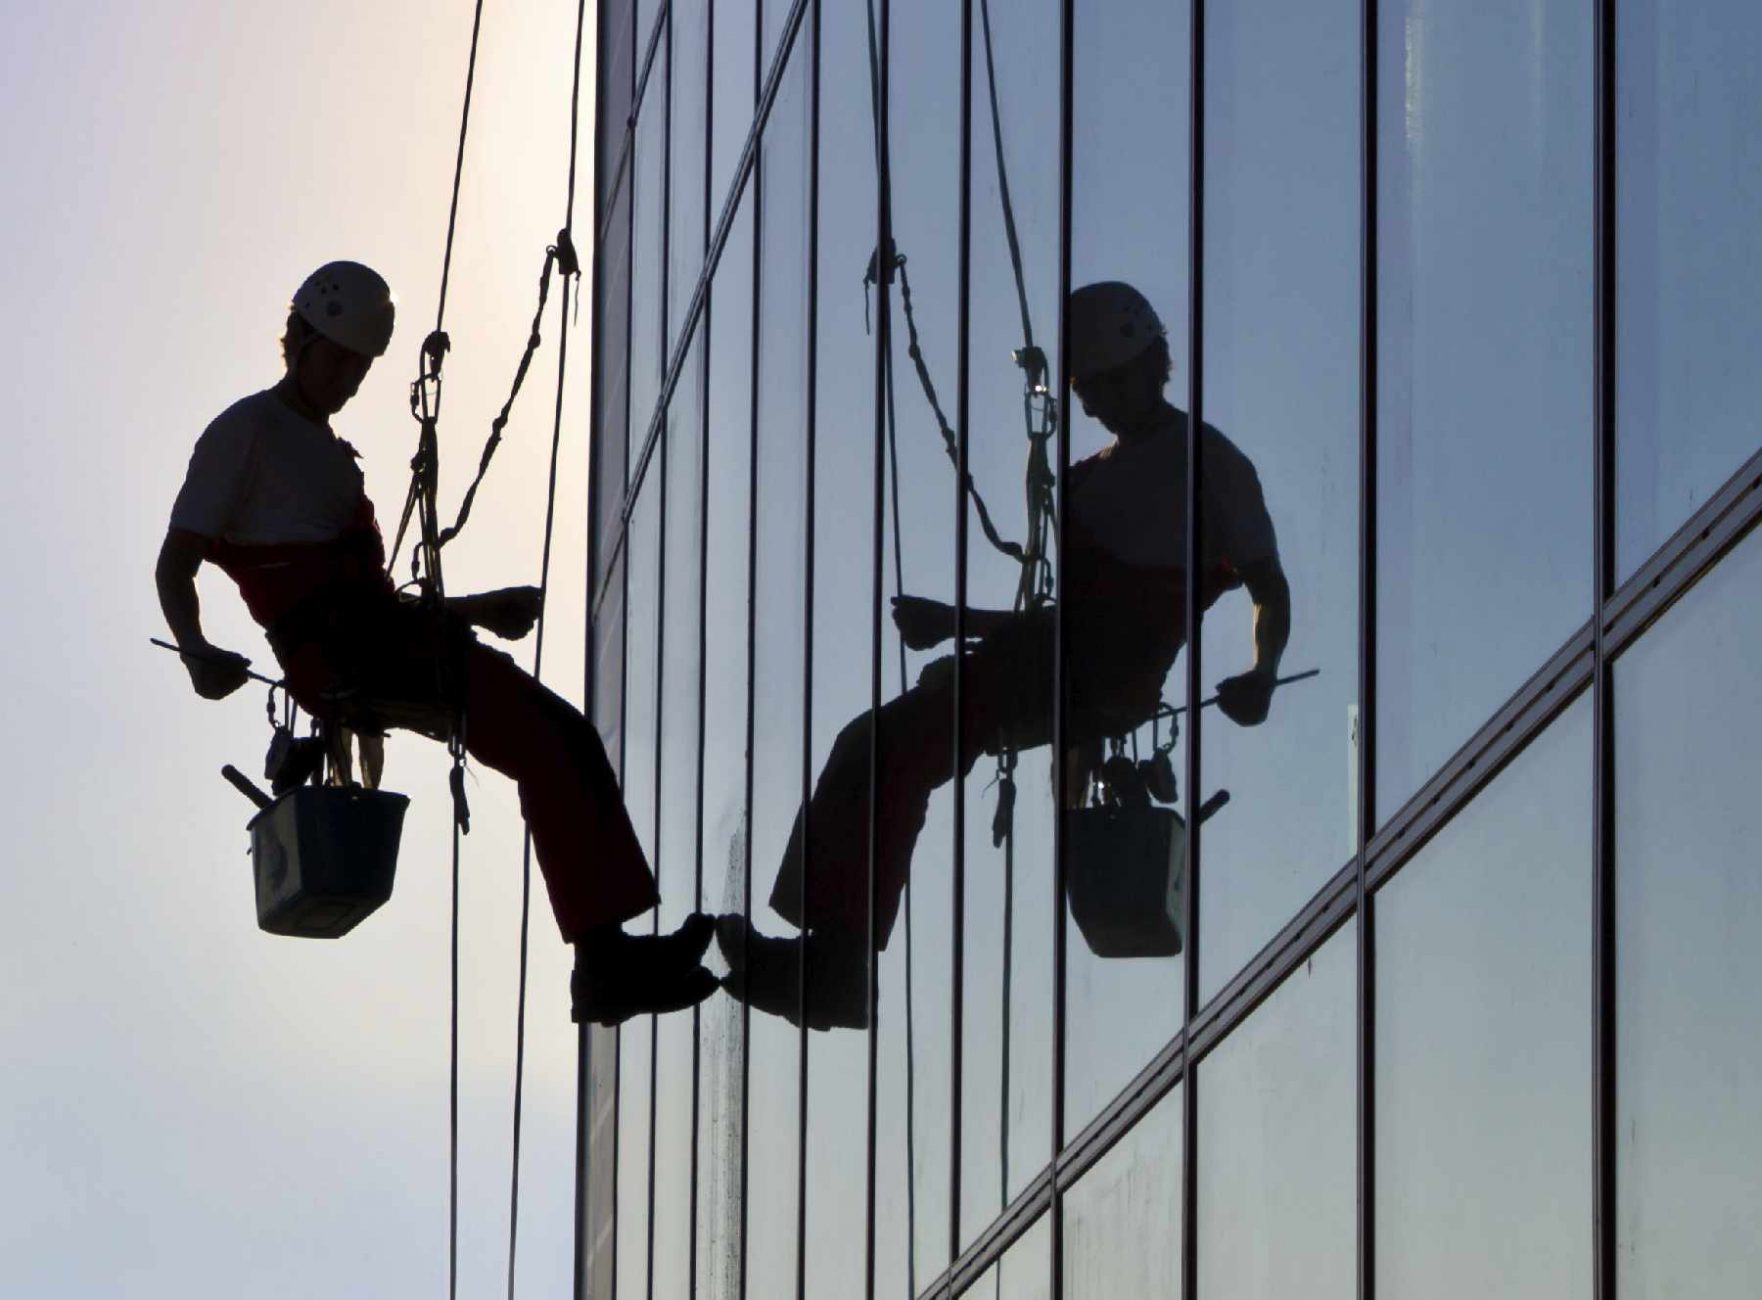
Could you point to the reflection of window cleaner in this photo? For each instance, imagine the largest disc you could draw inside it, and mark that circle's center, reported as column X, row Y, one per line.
column 1124, row 588
column 275, row 499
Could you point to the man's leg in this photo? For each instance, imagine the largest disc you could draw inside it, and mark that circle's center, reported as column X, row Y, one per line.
column 593, row 866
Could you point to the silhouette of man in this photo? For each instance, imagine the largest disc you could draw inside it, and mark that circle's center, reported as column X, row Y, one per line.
column 275, row 500
column 1124, row 578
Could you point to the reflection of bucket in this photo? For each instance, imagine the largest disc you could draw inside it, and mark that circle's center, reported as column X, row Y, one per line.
column 1126, row 878
column 324, row 857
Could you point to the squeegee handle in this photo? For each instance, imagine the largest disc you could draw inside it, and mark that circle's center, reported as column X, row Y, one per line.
column 218, row 659
column 245, row 786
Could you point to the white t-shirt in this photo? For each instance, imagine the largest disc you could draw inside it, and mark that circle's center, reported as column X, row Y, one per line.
column 262, row 474
column 1131, row 500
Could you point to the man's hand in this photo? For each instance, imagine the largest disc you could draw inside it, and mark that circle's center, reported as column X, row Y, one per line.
column 215, row 673
column 508, row 613
column 1246, row 698
column 922, row 623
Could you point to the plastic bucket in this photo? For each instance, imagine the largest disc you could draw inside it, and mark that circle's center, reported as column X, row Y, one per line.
column 324, row 858
column 1126, row 879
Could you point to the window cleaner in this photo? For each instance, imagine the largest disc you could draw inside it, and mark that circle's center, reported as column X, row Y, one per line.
column 275, row 499
column 1125, row 578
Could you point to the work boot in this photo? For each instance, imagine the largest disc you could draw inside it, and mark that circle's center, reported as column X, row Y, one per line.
column 765, row 972
column 620, row 975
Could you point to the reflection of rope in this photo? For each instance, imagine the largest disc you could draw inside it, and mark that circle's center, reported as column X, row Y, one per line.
column 1034, row 587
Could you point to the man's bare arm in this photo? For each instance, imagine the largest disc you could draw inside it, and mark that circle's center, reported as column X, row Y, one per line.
column 215, row 673
column 1247, row 697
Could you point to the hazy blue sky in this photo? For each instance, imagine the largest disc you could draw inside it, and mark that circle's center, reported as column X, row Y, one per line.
column 190, row 1107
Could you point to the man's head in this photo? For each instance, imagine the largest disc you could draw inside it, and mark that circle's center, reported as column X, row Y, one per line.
column 1119, row 357
column 341, row 320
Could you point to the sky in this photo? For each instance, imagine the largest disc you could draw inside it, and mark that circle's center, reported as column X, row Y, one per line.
column 190, row 1106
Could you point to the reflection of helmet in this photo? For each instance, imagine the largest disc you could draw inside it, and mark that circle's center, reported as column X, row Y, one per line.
column 350, row 305
column 1110, row 324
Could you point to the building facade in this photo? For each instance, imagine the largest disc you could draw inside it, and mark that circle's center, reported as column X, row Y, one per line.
column 1453, row 993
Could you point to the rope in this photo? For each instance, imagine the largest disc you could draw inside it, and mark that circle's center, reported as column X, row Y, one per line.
column 538, row 649
column 433, row 349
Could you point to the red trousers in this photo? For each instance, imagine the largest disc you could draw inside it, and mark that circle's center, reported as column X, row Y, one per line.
column 593, row 866
column 1117, row 659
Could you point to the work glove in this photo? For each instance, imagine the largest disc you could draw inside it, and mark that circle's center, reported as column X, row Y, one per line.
column 508, row 613
column 1246, row 698
column 215, row 673
column 922, row 623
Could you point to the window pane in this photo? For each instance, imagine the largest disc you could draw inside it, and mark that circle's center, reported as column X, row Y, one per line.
column 1008, row 685
column 1484, row 364
column 637, row 1036
column 1689, row 909
column 726, row 602
column 1689, row 183
column 1024, row 1272
column 1483, row 1040
column 779, row 668
column 680, row 473
column 1123, row 1217
column 1281, row 387
column 1124, row 542
column 844, row 537
column 913, row 1129
column 1278, row 1140
column 648, row 344
column 688, row 25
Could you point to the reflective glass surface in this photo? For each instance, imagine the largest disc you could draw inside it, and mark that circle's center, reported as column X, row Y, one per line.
column 1281, row 390
column 1689, row 909
column 679, row 475
column 914, row 1133
column 1123, row 1217
column 1277, row 1140
column 611, row 414
column 688, row 24
column 734, row 89
column 1007, row 683
column 1483, row 1040
column 648, row 343
column 1689, row 181
column 1124, row 555
column 779, row 765
column 728, row 519
column 636, row 1037
column 1484, row 364
column 1024, row 1272
column 842, row 621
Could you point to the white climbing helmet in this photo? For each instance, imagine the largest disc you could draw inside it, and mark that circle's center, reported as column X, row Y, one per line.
column 1110, row 324
column 350, row 305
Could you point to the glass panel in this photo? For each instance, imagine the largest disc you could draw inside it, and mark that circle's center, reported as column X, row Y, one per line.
column 1484, row 370
column 1123, row 1217
column 735, row 91
column 1689, row 909
column 1689, row 180
column 913, row 1129
column 1008, row 687
column 779, row 667
column 1024, row 1272
column 648, row 350
column 688, row 24
column 612, row 375
column 676, row 857
column 1278, row 1149
column 1483, row 1040
column 843, row 612
column 637, row 1036
column 726, row 604
column 1124, row 539
column 608, row 667
column 1280, row 500
column 616, row 88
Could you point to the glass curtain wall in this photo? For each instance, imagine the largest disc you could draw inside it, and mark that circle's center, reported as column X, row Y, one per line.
column 1176, row 578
